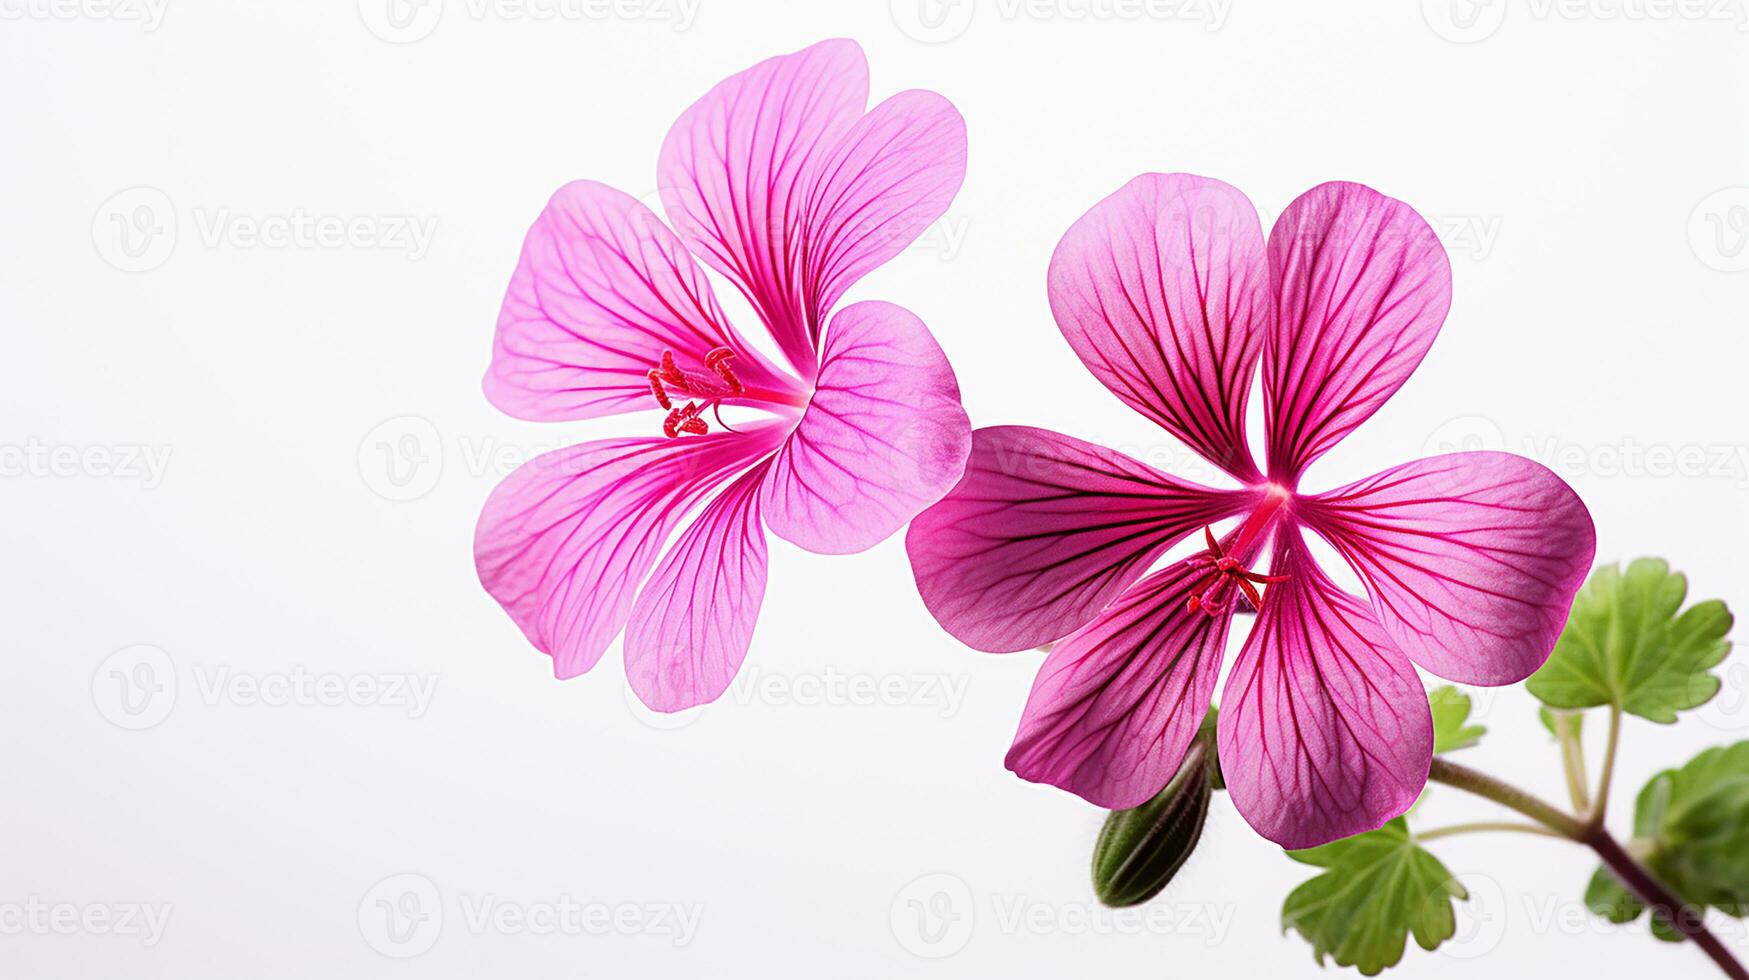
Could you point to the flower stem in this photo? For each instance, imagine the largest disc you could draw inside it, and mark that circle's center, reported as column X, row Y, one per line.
column 1685, row 919
column 1511, row 797
column 1482, row 826
column 1572, row 761
column 1600, row 805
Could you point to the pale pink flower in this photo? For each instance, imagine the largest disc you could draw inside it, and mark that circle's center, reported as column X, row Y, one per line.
column 784, row 181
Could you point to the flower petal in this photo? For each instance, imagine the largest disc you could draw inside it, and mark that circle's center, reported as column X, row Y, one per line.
column 1325, row 730
column 883, row 437
column 693, row 621
column 736, row 169
column 564, row 542
column 1118, row 702
column 1471, row 559
column 893, row 173
column 1043, row 531
column 1362, row 286
column 602, row 290
column 1163, row 290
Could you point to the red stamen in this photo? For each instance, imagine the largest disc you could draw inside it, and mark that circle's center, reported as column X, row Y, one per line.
column 656, row 389
column 718, row 360
column 1226, row 569
column 668, row 382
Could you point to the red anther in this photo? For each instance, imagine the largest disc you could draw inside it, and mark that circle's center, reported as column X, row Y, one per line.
column 656, row 389
column 1251, row 594
column 718, row 360
column 1227, row 569
column 670, row 373
column 684, row 421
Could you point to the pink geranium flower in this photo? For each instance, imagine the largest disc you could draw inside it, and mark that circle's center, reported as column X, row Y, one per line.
column 782, row 180
column 1171, row 296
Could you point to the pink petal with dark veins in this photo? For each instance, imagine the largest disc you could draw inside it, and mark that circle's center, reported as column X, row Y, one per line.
column 1117, row 703
column 1163, row 290
column 1472, row 559
column 1325, row 729
column 1043, row 531
column 1362, row 286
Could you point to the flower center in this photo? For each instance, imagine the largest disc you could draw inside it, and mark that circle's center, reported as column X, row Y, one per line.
column 1227, row 572
column 703, row 391
column 668, row 380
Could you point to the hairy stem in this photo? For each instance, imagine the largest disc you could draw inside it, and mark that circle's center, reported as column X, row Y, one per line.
column 1511, row 797
column 1685, row 919
column 1600, row 805
column 1483, row 826
column 1572, row 760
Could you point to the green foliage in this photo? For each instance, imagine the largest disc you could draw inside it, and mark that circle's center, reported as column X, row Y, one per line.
column 1691, row 829
column 1378, row 888
column 1451, row 708
column 1627, row 645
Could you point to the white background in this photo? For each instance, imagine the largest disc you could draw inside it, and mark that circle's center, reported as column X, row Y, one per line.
column 1586, row 165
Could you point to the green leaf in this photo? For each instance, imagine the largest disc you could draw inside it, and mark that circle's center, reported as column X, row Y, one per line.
column 1451, row 708
column 1691, row 829
column 1610, row 900
column 1378, row 888
column 1626, row 645
column 1575, row 722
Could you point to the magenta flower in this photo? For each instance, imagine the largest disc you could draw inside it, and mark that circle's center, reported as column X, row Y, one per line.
column 783, row 181
column 1170, row 295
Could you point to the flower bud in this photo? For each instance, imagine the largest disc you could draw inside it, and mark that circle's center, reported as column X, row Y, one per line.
column 1140, row 849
